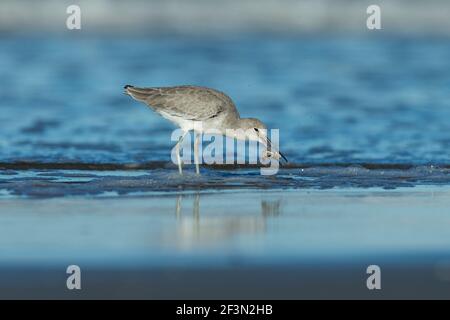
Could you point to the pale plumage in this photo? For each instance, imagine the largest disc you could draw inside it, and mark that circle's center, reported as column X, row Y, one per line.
column 197, row 108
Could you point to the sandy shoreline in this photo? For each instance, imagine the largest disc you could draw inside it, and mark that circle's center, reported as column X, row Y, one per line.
column 285, row 244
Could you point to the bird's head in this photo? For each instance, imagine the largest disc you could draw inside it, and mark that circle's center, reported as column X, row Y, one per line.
column 257, row 131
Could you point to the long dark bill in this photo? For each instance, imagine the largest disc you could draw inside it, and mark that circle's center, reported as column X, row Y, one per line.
column 269, row 144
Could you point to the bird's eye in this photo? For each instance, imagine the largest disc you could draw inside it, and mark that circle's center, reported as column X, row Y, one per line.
column 256, row 129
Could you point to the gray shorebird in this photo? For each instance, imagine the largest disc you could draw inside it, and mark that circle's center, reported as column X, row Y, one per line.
column 193, row 107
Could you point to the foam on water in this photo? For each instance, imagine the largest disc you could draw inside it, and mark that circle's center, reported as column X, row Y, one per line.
column 58, row 183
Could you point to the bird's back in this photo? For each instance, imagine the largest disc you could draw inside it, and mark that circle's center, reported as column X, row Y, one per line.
column 186, row 102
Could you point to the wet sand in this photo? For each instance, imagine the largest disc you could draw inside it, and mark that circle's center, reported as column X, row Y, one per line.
column 245, row 244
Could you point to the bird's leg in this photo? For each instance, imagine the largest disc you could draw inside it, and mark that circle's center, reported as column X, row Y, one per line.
column 177, row 146
column 196, row 156
column 177, row 149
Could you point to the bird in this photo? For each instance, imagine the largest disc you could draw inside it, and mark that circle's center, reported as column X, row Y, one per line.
column 199, row 109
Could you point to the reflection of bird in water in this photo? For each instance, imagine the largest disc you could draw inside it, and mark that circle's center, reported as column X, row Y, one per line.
column 270, row 208
column 200, row 109
column 214, row 227
column 196, row 212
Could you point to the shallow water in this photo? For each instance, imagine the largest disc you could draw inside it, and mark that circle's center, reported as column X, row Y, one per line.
column 86, row 177
column 271, row 227
column 253, row 244
column 60, row 183
column 338, row 102
column 334, row 99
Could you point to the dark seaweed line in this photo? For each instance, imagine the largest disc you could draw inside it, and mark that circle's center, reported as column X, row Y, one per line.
column 163, row 164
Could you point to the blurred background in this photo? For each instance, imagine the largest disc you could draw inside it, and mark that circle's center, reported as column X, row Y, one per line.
column 222, row 18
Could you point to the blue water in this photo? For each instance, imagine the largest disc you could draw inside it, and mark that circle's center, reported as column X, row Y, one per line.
column 348, row 109
column 335, row 100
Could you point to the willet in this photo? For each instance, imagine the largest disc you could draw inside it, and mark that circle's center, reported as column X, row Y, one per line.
column 201, row 109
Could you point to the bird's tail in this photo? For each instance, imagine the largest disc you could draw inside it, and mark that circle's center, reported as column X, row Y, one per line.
column 139, row 94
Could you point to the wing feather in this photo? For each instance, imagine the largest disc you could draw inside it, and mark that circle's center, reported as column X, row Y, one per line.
column 188, row 102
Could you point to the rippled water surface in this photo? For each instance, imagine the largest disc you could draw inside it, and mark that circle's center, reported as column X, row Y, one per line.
column 334, row 100
column 338, row 102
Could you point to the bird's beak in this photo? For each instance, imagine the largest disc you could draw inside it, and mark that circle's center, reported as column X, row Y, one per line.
column 268, row 143
column 283, row 157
